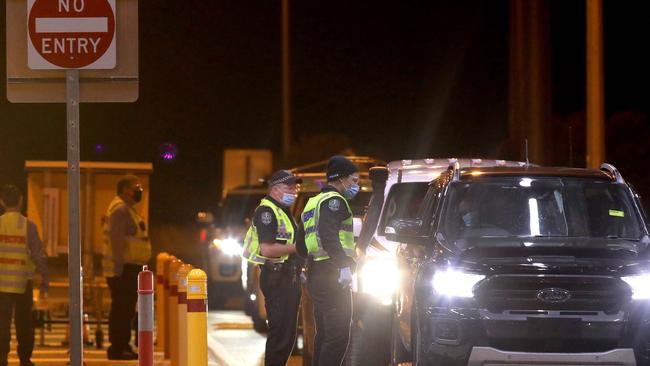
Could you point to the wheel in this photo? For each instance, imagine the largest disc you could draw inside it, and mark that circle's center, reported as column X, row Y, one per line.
column 419, row 358
column 398, row 353
column 370, row 338
column 216, row 296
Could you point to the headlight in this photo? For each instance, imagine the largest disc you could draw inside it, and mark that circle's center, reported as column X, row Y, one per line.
column 380, row 278
column 640, row 286
column 454, row 283
column 228, row 246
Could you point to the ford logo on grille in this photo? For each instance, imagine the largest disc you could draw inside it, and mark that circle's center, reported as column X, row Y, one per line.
column 554, row 295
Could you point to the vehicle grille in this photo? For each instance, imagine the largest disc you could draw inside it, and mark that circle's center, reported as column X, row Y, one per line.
column 520, row 292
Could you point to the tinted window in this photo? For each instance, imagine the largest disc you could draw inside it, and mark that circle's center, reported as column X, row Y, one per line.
column 540, row 207
column 403, row 202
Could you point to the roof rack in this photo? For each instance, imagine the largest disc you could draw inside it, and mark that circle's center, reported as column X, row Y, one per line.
column 609, row 168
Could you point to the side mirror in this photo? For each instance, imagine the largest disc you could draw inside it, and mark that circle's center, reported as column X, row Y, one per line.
column 405, row 231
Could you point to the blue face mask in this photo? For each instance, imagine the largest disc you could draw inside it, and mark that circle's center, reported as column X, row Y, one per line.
column 351, row 192
column 288, row 199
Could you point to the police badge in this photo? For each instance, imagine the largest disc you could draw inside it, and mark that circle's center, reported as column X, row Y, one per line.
column 334, row 204
column 266, row 218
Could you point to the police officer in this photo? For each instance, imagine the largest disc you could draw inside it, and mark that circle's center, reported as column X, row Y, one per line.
column 21, row 251
column 126, row 249
column 270, row 243
column 327, row 221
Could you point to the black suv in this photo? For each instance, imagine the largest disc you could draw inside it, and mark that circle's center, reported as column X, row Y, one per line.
column 522, row 266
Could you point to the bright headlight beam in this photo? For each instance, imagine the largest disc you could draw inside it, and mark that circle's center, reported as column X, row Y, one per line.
column 380, row 277
column 454, row 283
column 228, row 246
column 640, row 286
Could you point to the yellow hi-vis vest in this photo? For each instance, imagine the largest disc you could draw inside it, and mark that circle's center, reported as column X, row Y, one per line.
column 16, row 266
column 310, row 216
column 137, row 248
column 285, row 233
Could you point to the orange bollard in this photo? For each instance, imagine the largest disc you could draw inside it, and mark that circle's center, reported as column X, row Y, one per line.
column 182, row 314
column 160, row 300
column 197, row 318
column 166, row 265
column 174, row 266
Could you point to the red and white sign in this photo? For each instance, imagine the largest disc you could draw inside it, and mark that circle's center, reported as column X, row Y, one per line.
column 71, row 34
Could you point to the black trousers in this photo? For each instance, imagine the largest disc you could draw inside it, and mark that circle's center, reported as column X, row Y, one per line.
column 332, row 314
column 282, row 300
column 21, row 304
column 124, row 296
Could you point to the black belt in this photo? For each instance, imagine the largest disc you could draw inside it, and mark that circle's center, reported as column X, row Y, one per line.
column 275, row 267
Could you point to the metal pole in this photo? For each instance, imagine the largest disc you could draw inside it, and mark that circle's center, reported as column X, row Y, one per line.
column 286, row 81
column 595, row 85
column 75, row 308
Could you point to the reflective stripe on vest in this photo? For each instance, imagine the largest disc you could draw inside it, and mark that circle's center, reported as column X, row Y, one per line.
column 310, row 217
column 16, row 266
column 137, row 248
column 285, row 232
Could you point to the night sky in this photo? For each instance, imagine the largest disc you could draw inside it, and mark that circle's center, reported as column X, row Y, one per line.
column 396, row 79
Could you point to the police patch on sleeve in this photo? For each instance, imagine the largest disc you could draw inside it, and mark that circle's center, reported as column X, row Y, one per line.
column 266, row 218
column 334, row 204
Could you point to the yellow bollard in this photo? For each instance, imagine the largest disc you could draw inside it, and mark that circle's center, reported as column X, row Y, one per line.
column 160, row 300
column 182, row 314
column 166, row 301
column 197, row 318
column 174, row 266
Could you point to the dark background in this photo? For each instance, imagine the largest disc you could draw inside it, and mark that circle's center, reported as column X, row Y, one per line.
column 400, row 79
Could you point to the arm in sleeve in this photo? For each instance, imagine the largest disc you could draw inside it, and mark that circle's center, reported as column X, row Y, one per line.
column 118, row 222
column 301, row 246
column 330, row 220
column 37, row 253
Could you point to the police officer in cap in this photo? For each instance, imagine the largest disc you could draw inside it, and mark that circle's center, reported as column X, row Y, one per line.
column 327, row 222
column 270, row 243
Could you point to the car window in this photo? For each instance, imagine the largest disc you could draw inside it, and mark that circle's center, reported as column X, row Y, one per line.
column 239, row 207
column 404, row 201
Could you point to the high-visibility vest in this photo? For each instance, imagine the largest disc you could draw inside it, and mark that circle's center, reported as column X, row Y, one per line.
column 284, row 233
column 16, row 266
column 137, row 248
column 310, row 216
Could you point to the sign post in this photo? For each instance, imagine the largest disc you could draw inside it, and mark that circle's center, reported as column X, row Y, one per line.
column 75, row 308
column 48, row 42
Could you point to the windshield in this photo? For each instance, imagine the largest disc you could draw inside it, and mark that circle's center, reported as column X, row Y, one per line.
column 539, row 207
column 403, row 202
column 239, row 207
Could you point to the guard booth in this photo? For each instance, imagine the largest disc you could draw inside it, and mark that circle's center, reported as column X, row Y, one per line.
column 47, row 206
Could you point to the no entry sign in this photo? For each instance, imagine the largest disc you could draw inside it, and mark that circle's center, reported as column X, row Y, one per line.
column 71, row 34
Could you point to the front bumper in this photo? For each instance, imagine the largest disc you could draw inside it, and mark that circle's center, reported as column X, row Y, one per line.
column 459, row 334
column 487, row 356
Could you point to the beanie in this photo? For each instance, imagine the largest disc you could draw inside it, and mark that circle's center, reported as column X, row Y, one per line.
column 338, row 167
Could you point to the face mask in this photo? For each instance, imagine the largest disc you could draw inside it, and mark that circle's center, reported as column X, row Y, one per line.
column 137, row 195
column 351, row 192
column 470, row 219
column 288, row 199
